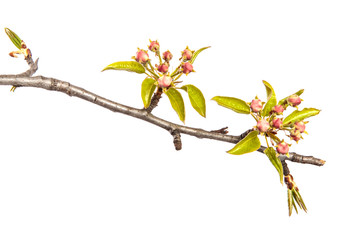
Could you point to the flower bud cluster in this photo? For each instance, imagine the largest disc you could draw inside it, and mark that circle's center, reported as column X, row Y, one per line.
column 161, row 71
column 270, row 124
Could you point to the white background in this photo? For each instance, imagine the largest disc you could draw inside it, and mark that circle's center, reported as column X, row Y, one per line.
column 72, row 170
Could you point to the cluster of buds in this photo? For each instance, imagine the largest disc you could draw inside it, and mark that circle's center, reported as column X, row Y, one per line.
column 161, row 70
column 271, row 124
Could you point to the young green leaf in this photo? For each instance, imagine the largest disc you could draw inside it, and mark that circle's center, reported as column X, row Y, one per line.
column 271, row 154
column 147, row 89
column 193, row 58
column 298, row 93
column 235, row 104
column 290, row 202
column 14, row 38
column 130, row 66
column 177, row 102
column 196, row 98
column 271, row 99
column 297, row 115
column 298, row 199
column 249, row 144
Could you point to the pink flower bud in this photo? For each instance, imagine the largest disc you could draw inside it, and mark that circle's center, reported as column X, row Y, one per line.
column 167, row 56
column 295, row 135
column 141, row 56
column 187, row 67
column 294, row 100
column 278, row 109
column 165, row 81
column 187, row 54
column 263, row 125
column 277, row 123
column 256, row 105
column 282, row 147
column 154, row 46
column 163, row 68
column 300, row 126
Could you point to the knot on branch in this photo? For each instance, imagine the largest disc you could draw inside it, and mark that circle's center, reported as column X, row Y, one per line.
column 176, row 139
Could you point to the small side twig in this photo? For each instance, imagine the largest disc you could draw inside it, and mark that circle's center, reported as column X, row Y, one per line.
column 221, row 130
column 176, row 139
column 155, row 100
column 286, row 171
column 294, row 157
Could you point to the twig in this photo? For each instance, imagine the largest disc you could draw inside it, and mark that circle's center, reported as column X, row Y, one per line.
column 155, row 100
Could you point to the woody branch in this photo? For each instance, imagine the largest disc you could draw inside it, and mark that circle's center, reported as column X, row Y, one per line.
column 27, row 80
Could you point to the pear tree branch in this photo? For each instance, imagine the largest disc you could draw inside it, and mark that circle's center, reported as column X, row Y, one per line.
column 52, row 84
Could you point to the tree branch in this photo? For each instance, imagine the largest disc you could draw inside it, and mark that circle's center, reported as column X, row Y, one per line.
column 52, row 84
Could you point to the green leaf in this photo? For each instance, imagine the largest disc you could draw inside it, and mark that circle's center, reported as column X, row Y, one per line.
column 290, row 202
column 249, row 144
column 130, row 66
column 235, row 104
column 297, row 115
column 147, row 89
column 271, row 153
column 177, row 102
column 298, row 93
column 14, row 38
column 271, row 99
column 196, row 54
column 196, row 98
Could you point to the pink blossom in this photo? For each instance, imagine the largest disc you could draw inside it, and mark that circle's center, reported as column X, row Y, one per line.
column 300, row 126
column 282, row 147
column 163, row 68
column 167, row 56
column 277, row 123
column 165, row 81
column 154, row 46
column 141, row 56
column 187, row 54
column 263, row 125
column 256, row 105
column 278, row 109
column 294, row 100
column 187, row 67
